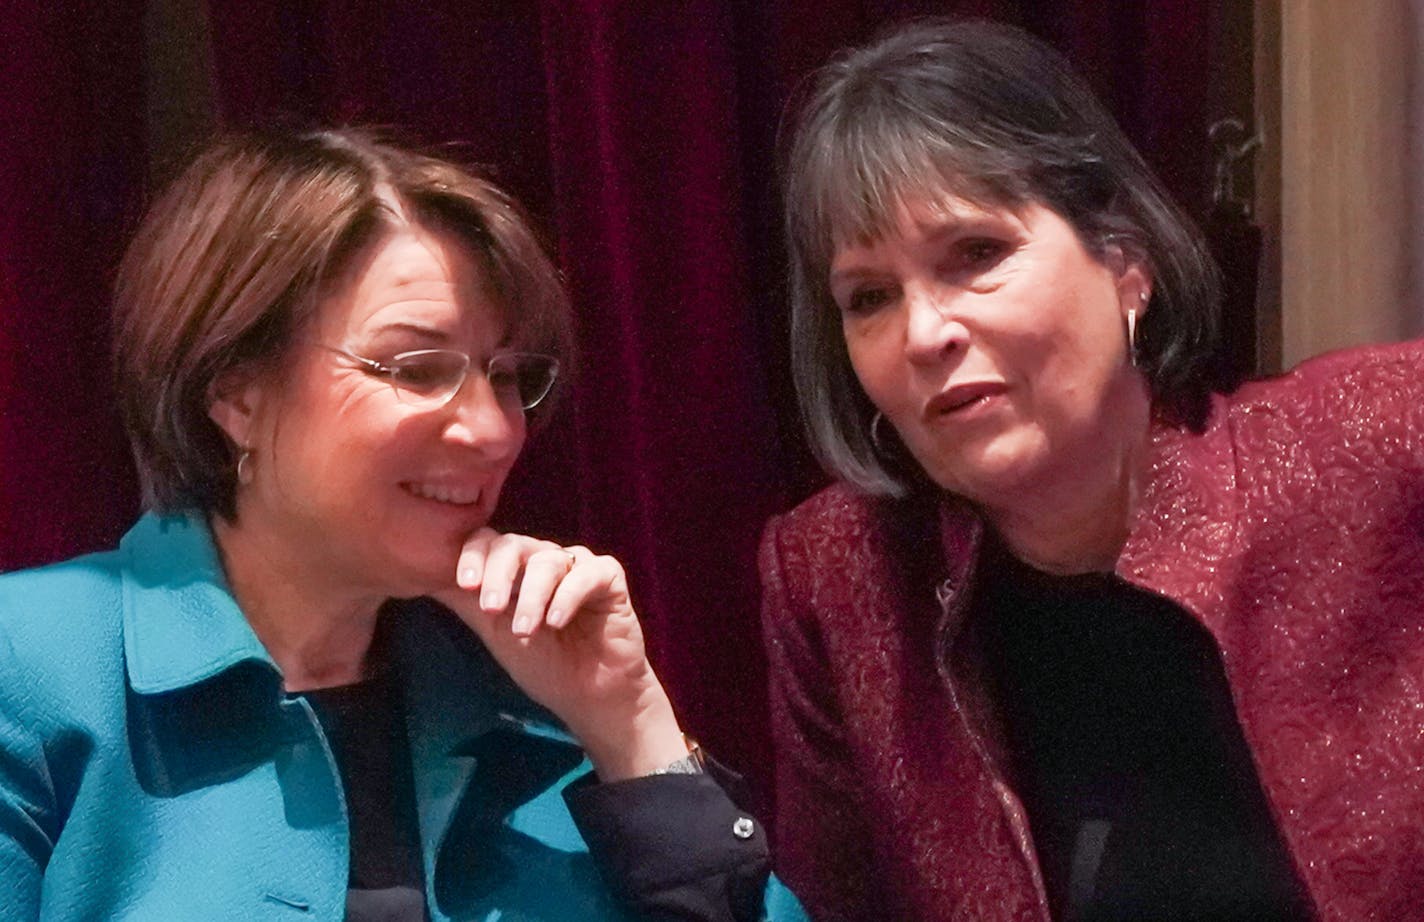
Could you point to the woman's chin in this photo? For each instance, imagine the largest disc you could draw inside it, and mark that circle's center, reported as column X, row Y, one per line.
column 411, row 576
column 992, row 477
column 422, row 554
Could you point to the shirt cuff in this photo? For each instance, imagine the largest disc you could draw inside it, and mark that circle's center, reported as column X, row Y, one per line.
column 674, row 846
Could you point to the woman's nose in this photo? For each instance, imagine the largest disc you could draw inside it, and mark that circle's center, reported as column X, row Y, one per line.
column 933, row 325
column 479, row 419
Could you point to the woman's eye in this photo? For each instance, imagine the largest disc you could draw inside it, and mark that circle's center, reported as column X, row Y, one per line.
column 866, row 300
column 503, row 379
column 980, row 252
column 419, row 374
column 429, row 372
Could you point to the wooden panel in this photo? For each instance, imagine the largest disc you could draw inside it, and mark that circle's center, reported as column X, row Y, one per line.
column 1346, row 222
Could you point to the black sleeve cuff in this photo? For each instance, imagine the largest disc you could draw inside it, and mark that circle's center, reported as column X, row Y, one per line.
column 674, row 846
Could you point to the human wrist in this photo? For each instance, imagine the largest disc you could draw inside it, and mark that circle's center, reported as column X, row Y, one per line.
column 644, row 744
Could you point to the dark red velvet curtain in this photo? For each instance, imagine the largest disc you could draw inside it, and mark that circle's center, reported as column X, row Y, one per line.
column 71, row 162
column 641, row 136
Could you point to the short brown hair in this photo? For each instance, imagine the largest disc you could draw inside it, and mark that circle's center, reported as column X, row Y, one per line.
column 230, row 262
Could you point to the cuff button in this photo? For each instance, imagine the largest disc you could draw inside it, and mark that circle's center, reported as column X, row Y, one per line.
column 743, row 828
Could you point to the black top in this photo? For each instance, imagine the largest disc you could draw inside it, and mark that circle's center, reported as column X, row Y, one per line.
column 1142, row 796
column 365, row 727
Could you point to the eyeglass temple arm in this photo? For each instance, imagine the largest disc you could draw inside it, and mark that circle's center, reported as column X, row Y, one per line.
column 377, row 367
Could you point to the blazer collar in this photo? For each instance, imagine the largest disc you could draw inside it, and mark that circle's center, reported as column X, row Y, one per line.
column 455, row 692
column 481, row 747
column 1184, row 540
column 182, row 627
column 181, row 624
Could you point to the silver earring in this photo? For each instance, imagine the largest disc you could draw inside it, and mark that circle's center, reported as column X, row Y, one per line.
column 876, row 440
column 244, row 469
column 1132, row 333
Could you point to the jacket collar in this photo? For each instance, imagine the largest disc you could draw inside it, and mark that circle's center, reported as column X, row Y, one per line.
column 1184, row 534
column 459, row 704
column 1184, row 541
column 182, row 627
column 181, row 624
column 480, row 747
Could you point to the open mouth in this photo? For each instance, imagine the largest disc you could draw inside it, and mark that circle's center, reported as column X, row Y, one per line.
column 962, row 398
column 965, row 404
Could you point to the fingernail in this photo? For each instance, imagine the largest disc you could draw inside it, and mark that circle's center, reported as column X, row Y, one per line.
column 469, row 577
column 491, row 601
column 522, row 625
column 556, row 617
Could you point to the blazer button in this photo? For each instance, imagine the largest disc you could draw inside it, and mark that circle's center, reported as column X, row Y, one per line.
column 743, row 827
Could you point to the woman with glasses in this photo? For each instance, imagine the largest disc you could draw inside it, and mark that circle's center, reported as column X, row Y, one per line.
column 312, row 682
column 1074, row 638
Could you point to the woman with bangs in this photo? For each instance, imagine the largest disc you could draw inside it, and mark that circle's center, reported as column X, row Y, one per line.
column 312, row 682
column 1074, row 637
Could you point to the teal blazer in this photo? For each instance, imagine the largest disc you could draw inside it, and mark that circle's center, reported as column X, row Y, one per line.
column 152, row 769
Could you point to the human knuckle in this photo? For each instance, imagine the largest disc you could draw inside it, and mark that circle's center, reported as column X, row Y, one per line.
column 550, row 556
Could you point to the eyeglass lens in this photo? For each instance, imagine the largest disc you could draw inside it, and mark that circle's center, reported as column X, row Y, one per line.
column 437, row 374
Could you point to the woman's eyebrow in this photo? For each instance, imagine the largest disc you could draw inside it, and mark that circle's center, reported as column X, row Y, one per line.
column 415, row 329
column 945, row 224
column 933, row 230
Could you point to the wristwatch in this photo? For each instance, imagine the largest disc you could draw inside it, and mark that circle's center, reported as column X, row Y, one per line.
column 694, row 763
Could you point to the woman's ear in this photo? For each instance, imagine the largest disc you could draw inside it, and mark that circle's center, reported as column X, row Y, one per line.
column 233, row 403
column 1131, row 275
column 1134, row 288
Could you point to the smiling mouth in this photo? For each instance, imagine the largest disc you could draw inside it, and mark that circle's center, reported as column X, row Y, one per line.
column 450, row 496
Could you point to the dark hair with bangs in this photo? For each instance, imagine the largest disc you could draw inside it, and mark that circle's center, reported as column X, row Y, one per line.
column 987, row 113
column 230, row 262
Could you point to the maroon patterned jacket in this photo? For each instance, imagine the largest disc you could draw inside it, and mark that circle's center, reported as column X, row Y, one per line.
column 1293, row 528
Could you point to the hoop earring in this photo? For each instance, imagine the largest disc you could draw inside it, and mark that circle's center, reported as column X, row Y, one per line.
column 244, row 469
column 876, row 440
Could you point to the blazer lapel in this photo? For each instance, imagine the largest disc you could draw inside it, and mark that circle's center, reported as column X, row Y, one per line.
column 480, row 748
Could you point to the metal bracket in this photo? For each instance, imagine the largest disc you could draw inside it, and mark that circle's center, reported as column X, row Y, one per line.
column 1231, row 146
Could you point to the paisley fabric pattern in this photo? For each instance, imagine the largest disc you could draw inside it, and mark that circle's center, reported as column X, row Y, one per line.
column 1292, row 528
